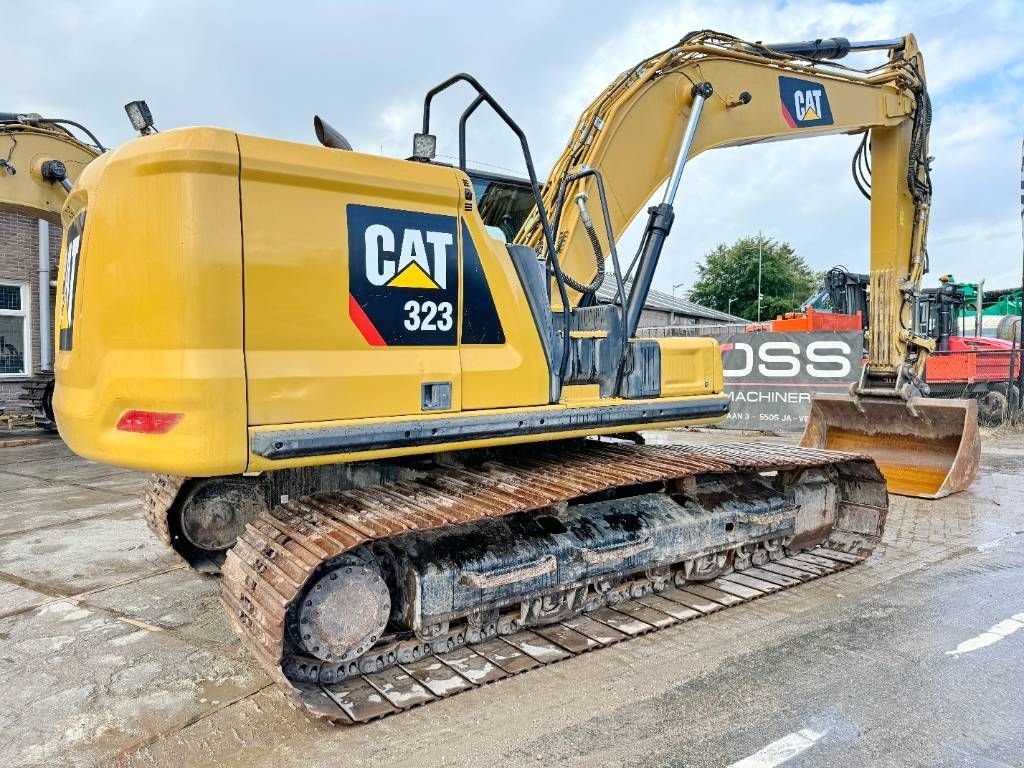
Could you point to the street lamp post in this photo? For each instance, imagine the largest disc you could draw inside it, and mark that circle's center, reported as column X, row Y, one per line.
column 672, row 314
column 760, row 243
column 729, row 310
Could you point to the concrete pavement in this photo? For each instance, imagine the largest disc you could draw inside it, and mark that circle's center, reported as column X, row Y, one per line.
column 114, row 654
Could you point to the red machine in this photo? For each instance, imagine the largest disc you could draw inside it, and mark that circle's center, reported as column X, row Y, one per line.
column 810, row 320
column 967, row 366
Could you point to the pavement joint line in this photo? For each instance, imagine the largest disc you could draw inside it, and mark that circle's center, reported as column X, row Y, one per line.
column 60, row 523
column 125, row 752
column 34, row 458
column 55, row 595
column 45, row 589
column 58, row 481
column 141, row 577
column 171, row 632
column 27, row 608
column 140, row 624
column 81, row 599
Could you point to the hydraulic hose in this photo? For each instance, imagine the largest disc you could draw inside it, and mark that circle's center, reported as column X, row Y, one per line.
column 595, row 243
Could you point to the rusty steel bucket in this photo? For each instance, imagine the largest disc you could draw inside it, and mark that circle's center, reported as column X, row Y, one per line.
column 924, row 447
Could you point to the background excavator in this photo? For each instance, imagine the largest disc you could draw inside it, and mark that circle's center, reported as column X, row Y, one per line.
column 380, row 420
column 40, row 158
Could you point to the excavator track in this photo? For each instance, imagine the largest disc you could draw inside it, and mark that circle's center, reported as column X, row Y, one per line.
column 272, row 577
column 157, row 498
column 160, row 497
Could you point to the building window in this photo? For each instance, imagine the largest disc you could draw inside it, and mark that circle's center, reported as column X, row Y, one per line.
column 15, row 334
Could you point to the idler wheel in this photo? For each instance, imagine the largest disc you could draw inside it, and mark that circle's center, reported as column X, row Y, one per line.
column 345, row 611
column 215, row 514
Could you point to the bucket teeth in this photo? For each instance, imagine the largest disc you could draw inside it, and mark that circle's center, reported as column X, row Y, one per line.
column 286, row 550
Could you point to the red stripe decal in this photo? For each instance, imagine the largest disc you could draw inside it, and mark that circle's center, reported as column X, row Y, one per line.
column 364, row 324
column 787, row 117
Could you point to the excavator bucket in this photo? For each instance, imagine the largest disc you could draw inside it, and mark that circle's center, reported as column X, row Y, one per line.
column 924, row 447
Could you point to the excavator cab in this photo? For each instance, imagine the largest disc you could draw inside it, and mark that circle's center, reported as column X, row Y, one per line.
column 504, row 202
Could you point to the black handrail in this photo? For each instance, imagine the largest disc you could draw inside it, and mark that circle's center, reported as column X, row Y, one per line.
column 462, row 130
column 549, row 242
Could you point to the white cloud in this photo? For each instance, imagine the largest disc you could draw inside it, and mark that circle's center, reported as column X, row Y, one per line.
column 265, row 68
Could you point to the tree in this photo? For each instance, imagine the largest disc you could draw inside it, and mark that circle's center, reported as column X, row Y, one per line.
column 730, row 272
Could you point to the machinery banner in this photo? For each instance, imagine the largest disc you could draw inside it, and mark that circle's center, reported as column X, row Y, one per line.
column 770, row 377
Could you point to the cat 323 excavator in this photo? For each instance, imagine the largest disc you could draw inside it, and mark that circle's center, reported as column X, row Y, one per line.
column 382, row 400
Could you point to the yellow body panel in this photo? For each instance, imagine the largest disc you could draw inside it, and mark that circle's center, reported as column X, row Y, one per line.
column 158, row 311
column 578, row 394
column 511, row 374
column 213, row 281
column 306, row 361
column 690, row 366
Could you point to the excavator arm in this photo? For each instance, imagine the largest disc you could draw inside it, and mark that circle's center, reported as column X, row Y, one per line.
column 39, row 162
column 713, row 90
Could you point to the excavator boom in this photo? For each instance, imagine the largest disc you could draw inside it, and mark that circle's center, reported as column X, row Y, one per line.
column 760, row 93
column 40, row 158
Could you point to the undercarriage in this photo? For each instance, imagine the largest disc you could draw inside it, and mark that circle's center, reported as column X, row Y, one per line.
column 366, row 601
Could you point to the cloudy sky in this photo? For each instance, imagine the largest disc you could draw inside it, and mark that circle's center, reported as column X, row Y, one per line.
column 267, row 67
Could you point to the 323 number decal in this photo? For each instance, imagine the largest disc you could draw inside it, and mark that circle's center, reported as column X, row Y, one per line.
column 428, row 316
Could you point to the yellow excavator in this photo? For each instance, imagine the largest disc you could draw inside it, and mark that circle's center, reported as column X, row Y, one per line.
column 383, row 401
column 40, row 158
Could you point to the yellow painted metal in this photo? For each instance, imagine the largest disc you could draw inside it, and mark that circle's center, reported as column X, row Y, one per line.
column 924, row 447
column 515, row 373
column 579, row 394
column 158, row 308
column 642, row 116
column 26, row 148
column 306, row 361
column 690, row 366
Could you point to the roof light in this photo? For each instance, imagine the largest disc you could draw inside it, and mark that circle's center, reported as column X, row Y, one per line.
column 424, row 147
column 148, row 422
column 140, row 117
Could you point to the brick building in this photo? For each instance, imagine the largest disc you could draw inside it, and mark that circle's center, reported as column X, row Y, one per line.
column 20, row 349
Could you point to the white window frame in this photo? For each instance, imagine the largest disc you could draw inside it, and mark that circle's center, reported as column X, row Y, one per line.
column 25, row 313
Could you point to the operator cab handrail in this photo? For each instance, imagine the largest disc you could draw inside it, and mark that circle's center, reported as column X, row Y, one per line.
column 425, row 143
